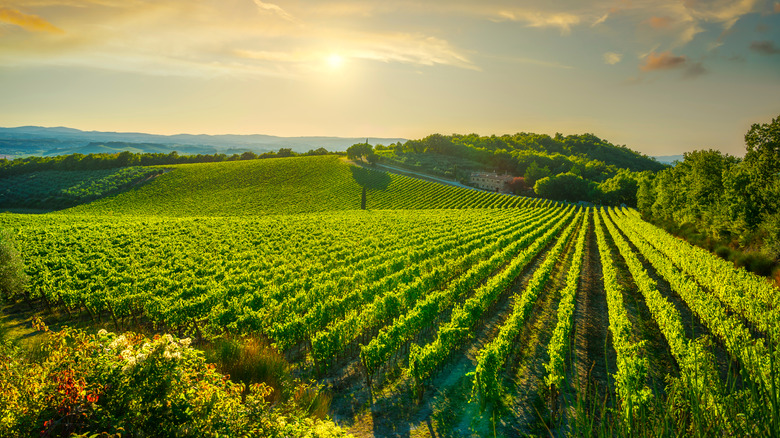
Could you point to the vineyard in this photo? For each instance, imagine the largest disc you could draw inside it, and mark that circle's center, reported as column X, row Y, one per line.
column 285, row 186
column 437, row 311
column 61, row 189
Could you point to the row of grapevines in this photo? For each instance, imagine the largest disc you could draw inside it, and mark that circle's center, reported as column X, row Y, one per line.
column 59, row 189
column 754, row 298
column 492, row 358
column 250, row 318
column 559, row 341
column 331, row 307
column 343, row 272
column 424, row 361
column 408, row 324
column 756, row 359
column 179, row 271
column 696, row 364
column 347, row 275
column 418, row 194
column 631, row 372
column 332, row 341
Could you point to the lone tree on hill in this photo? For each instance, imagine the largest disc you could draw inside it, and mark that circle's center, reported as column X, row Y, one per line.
column 361, row 150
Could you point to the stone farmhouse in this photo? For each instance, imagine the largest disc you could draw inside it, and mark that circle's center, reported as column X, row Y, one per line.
column 491, row 181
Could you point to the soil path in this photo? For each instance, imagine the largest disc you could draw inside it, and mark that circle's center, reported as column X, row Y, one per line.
column 593, row 354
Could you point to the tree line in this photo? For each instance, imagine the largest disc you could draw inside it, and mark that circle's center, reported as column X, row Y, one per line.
column 566, row 168
column 126, row 159
column 722, row 201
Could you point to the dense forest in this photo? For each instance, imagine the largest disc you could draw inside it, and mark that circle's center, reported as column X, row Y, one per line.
column 723, row 202
column 565, row 168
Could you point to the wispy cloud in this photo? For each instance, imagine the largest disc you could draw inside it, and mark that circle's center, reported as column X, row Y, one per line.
column 612, row 58
column 694, row 70
column 600, row 20
column 530, row 61
column 542, row 19
column 276, row 9
column 662, row 61
column 667, row 61
column 402, row 48
column 29, row 22
column 764, row 47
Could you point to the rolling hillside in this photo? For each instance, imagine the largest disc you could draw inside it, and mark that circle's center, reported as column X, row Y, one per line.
column 282, row 186
column 510, row 317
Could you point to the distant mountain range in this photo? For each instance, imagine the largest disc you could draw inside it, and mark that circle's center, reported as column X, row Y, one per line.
column 35, row 140
column 668, row 159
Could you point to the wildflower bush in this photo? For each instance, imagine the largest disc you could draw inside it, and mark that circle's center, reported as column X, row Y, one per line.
column 131, row 386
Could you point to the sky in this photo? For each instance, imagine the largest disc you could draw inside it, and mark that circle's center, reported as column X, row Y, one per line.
column 659, row 76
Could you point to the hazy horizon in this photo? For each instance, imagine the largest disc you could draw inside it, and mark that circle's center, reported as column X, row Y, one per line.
column 661, row 77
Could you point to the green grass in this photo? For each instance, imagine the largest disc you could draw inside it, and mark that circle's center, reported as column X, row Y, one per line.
column 284, row 186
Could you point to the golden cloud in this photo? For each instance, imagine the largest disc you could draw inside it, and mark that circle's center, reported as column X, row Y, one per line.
column 28, row 22
column 612, row 58
column 402, row 48
column 562, row 20
column 276, row 9
column 662, row 61
column 659, row 22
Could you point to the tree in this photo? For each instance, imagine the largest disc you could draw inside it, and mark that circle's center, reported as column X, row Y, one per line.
column 248, row 155
column 620, row 189
column 645, row 193
column 13, row 279
column 359, row 150
column 763, row 147
column 563, row 187
column 318, row 151
column 534, row 173
column 518, row 186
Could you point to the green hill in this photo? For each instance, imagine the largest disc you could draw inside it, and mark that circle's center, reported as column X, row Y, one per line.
column 282, row 186
column 55, row 189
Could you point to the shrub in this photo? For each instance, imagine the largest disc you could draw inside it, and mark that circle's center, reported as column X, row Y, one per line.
column 762, row 265
column 756, row 263
column 13, row 279
column 723, row 252
column 129, row 385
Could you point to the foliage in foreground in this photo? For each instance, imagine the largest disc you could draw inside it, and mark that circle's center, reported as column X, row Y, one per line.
column 131, row 385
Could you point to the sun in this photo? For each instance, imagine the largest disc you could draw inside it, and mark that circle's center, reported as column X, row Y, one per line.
column 335, row 61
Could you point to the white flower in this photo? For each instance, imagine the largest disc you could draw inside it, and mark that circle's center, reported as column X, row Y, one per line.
column 141, row 357
column 120, row 341
column 185, row 342
column 130, row 364
column 126, row 354
column 102, row 332
column 167, row 338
